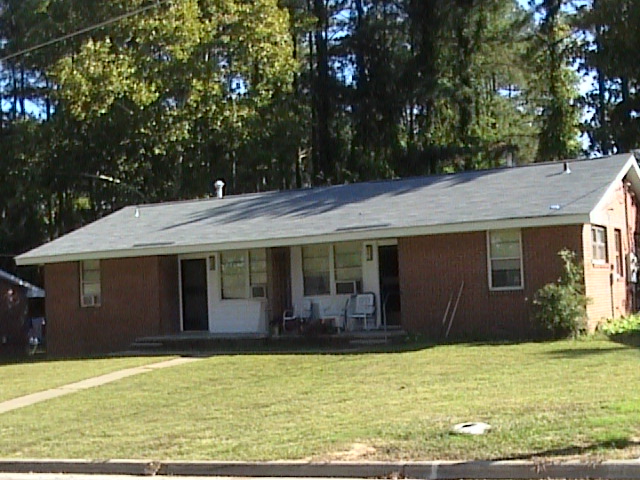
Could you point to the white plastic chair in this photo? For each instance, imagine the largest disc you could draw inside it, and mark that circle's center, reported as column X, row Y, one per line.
column 299, row 313
column 361, row 308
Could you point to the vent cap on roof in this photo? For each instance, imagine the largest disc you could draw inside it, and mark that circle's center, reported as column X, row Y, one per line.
column 219, row 186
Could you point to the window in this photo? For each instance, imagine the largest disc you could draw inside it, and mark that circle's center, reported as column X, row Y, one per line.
column 332, row 269
column 243, row 274
column 258, row 273
column 90, row 283
column 618, row 245
column 233, row 274
column 315, row 269
column 599, row 244
column 505, row 260
column 348, row 267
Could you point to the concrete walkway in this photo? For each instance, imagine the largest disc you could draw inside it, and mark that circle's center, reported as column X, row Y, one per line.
column 38, row 397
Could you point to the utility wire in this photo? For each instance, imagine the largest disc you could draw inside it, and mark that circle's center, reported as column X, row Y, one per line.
column 82, row 31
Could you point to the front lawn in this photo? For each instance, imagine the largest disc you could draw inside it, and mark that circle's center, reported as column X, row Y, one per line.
column 543, row 399
column 35, row 374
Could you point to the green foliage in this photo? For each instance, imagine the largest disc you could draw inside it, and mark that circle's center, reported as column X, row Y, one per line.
column 560, row 307
column 610, row 55
column 555, row 85
column 286, row 93
column 622, row 326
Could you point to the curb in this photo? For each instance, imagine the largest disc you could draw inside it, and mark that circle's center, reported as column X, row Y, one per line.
column 613, row 470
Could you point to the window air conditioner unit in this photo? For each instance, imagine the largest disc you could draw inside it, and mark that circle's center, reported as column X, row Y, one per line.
column 258, row 291
column 90, row 300
column 347, row 288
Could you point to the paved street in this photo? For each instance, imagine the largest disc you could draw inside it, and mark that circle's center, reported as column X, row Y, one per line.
column 59, row 476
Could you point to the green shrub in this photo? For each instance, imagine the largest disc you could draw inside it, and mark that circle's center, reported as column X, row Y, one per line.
column 622, row 326
column 561, row 307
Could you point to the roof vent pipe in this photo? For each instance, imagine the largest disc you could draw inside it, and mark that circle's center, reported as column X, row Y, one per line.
column 219, row 186
column 566, row 167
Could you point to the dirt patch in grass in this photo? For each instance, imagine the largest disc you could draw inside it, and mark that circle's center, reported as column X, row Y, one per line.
column 357, row 451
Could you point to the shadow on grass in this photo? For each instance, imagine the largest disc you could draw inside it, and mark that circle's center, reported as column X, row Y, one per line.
column 302, row 347
column 574, row 450
column 583, row 352
column 44, row 358
column 630, row 339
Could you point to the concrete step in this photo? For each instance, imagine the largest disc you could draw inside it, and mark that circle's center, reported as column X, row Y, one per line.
column 206, row 342
column 144, row 345
column 371, row 341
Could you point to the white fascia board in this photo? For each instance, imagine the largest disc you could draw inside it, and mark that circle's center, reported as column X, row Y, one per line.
column 596, row 215
column 342, row 236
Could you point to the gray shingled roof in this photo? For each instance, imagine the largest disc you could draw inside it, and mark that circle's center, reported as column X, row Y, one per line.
column 364, row 210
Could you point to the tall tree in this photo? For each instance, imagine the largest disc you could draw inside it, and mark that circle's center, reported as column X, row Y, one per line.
column 611, row 53
column 555, row 89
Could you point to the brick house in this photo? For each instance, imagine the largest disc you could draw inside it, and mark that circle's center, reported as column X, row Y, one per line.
column 231, row 265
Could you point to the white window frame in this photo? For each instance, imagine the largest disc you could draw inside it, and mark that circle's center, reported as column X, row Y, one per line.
column 489, row 262
column 248, row 286
column 96, row 298
column 595, row 244
column 618, row 248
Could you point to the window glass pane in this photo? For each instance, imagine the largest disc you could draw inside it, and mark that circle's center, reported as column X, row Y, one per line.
column 618, row 246
column 91, row 276
column 233, row 274
column 91, row 265
column 599, row 243
column 348, row 261
column 506, row 278
column 348, row 274
column 315, row 269
column 232, row 262
column 91, row 289
column 505, row 244
column 258, row 266
column 506, row 273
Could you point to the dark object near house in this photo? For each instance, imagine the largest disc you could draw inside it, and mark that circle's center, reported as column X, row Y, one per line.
column 20, row 302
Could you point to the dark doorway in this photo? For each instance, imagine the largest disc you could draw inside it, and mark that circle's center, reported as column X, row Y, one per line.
column 389, row 283
column 279, row 282
column 195, row 309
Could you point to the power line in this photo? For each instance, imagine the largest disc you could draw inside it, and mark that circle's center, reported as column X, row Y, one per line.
column 82, row 31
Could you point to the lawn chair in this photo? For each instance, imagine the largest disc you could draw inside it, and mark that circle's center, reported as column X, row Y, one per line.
column 298, row 315
column 361, row 310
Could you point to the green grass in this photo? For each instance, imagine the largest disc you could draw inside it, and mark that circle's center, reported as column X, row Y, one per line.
column 556, row 399
column 38, row 374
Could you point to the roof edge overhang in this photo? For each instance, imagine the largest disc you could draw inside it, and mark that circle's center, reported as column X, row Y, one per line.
column 368, row 234
column 631, row 172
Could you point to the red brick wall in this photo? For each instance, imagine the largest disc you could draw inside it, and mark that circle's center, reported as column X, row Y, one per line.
column 432, row 269
column 139, row 297
column 611, row 299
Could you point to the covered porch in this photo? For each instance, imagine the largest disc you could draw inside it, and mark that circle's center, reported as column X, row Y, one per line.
column 333, row 287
